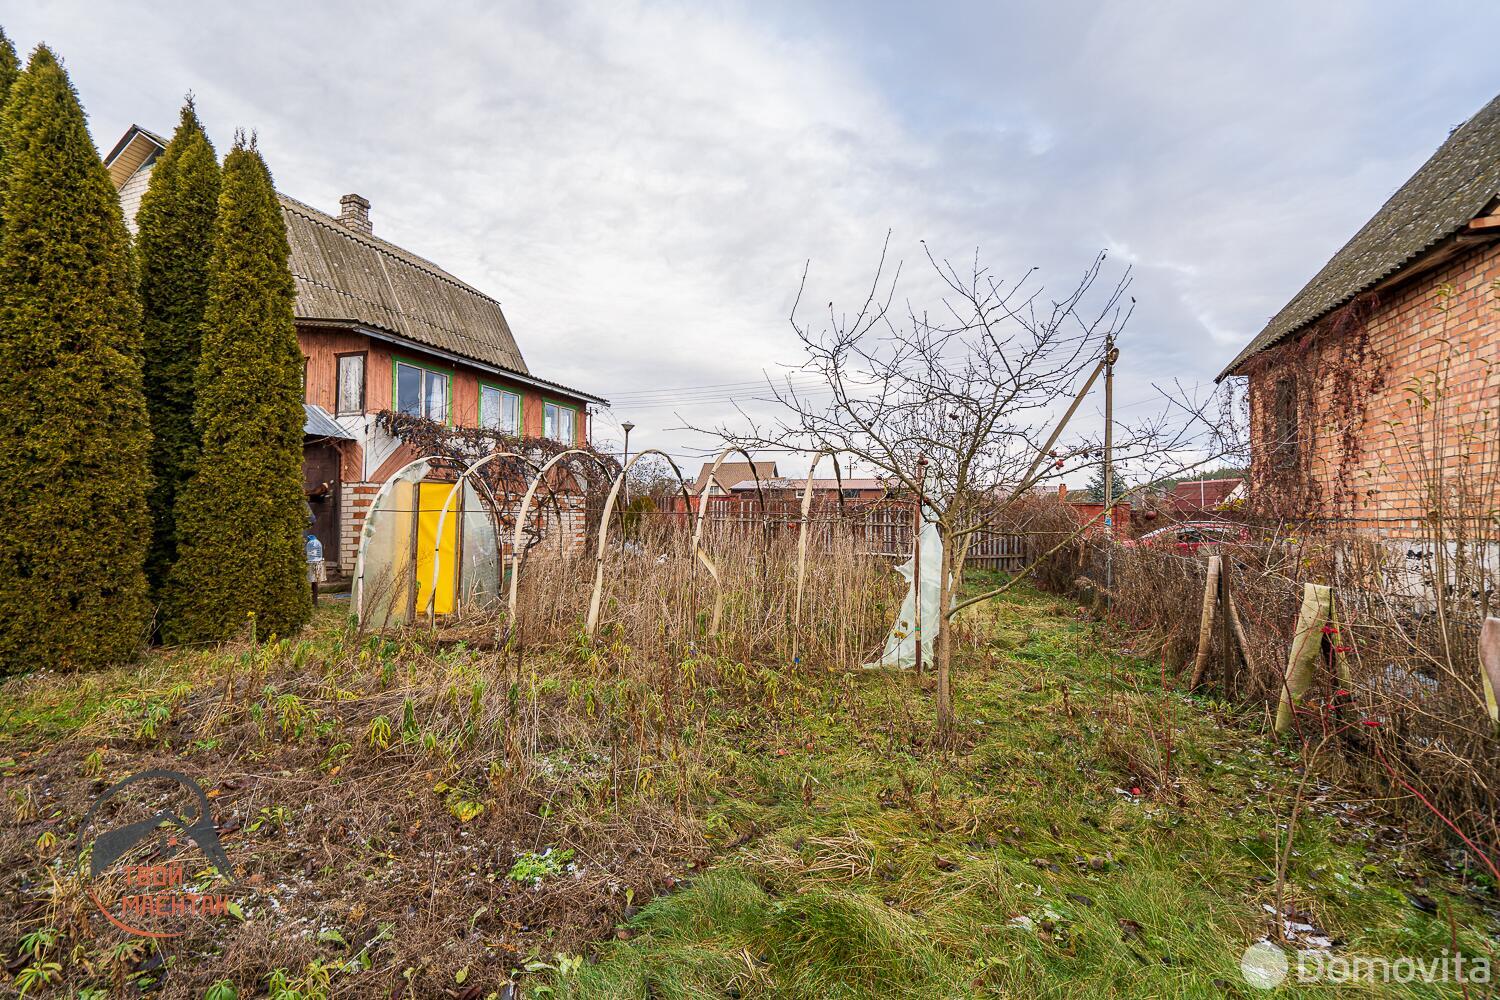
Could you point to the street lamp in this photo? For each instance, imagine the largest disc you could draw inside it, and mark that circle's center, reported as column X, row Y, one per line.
column 627, row 427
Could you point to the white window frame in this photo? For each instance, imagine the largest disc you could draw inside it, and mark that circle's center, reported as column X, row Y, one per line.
column 424, row 398
column 499, row 424
column 339, row 410
column 549, row 421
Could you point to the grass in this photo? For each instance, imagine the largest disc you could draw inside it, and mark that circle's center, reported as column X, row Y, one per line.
column 1020, row 865
column 787, row 832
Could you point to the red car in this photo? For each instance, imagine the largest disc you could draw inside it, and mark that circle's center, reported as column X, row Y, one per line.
column 1190, row 536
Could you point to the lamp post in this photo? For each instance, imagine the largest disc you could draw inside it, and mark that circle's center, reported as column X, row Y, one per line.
column 627, row 427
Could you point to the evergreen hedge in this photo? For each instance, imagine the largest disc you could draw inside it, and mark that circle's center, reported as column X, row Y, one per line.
column 10, row 66
column 241, row 518
column 73, row 428
column 174, row 236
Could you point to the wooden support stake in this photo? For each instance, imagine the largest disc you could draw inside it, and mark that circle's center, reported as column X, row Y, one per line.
column 1489, row 659
column 1233, row 611
column 1226, row 643
column 1206, row 622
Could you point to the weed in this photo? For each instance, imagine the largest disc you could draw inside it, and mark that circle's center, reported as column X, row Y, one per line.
column 533, row 868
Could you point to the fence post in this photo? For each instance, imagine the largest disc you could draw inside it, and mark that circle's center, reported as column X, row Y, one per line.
column 1206, row 620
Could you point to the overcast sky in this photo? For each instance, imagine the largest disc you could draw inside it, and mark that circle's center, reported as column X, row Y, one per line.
column 641, row 184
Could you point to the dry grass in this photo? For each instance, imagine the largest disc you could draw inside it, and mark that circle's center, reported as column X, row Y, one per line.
column 1412, row 724
column 378, row 794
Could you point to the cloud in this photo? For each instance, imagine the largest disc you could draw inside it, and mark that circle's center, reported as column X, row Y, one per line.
column 640, row 184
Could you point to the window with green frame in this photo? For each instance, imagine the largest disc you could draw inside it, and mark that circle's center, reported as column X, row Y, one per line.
column 499, row 409
column 559, row 422
column 420, row 391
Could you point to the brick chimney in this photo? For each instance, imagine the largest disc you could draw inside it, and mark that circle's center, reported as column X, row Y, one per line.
column 354, row 212
column 1062, row 491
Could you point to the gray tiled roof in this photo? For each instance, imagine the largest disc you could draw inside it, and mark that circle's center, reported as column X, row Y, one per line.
column 344, row 275
column 1450, row 189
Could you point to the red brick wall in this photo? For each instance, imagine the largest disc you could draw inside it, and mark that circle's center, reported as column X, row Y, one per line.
column 1368, row 447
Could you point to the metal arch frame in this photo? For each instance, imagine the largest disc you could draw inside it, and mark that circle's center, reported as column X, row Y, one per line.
column 364, row 538
column 703, row 511
column 515, row 573
column 807, row 494
column 437, row 544
column 609, row 506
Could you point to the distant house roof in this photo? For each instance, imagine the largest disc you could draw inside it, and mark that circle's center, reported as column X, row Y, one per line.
column 734, row 472
column 793, row 483
column 1452, row 188
column 1204, row 494
column 317, row 423
column 345, row 277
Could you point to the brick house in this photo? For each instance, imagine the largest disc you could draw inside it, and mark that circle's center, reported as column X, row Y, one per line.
column 382, row 329
column 1198, row 497
column 1379, row 379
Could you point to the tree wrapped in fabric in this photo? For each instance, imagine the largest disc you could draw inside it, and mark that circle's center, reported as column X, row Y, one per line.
column 176, row 229
column 74, row 433
column 242, row 516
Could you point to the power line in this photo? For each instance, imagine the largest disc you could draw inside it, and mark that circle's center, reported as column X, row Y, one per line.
column 729, row 388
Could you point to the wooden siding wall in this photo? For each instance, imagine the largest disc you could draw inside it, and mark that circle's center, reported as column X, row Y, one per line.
column 322, row 347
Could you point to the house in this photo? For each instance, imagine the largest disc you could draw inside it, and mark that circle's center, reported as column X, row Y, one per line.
column 1090, row 513
column 382, row 329
column 1197, row 497
column 1375, row 389
column 730, row 474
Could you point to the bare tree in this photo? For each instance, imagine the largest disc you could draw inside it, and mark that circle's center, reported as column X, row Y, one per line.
column 969, row 391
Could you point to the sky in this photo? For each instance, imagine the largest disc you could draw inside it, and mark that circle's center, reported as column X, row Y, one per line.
column 641, row 184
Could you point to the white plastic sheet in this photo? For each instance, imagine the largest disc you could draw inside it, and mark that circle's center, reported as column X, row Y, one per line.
column 901, row 645
column 383, row 575
column 479, row 577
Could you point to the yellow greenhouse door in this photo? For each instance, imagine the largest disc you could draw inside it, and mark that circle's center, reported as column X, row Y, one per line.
column 430, row 500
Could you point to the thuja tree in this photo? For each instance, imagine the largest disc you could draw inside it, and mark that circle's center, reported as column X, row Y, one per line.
column 73, row 427
column 241, row 517
column 10, row 66
column 176, row 222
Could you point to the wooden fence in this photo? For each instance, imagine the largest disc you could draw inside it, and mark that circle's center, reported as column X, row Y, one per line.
column 881, row 527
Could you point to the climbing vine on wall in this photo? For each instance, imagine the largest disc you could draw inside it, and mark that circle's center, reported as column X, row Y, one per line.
column 581, row 479
column 1334, row 373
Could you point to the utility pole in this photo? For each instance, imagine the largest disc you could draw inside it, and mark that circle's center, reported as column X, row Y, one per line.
column 1110, row 354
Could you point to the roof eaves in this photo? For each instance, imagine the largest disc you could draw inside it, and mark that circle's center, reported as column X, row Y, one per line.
column 414, row 345
column 131, row 133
